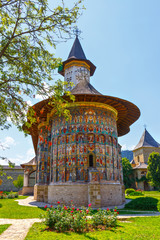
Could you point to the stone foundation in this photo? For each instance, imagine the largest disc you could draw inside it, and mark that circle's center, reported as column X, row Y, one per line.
column 99, row 195
column 27, row 190
column 41, row 193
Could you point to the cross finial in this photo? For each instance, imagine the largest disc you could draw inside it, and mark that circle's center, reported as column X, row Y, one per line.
column 145, row 126
column 76, row 31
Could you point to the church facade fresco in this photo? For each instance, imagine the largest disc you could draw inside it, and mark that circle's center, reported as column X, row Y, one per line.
column 67, row 150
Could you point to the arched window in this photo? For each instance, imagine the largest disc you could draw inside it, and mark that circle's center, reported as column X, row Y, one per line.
column 91, row 160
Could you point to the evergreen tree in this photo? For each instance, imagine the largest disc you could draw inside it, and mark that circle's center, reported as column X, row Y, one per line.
column 153, row 173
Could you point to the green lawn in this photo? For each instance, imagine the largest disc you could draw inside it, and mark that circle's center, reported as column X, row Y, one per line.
column 147, row 228
column 4, row 227
column 11, row 209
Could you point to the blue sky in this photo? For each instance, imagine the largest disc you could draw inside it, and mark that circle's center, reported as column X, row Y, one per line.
column 122, row 38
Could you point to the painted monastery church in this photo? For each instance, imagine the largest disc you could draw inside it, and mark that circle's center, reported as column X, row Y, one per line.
column 80, row 159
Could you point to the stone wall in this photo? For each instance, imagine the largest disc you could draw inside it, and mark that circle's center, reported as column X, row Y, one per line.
column 99, row 195
column 7, row 184
column 148, row 150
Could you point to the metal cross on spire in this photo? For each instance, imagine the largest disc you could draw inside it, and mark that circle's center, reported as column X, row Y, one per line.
column 145, row 126
column 76, row 31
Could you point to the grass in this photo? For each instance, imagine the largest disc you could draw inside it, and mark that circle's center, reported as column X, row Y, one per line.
column 134, row 228
column 11, row 209
column 4, row 227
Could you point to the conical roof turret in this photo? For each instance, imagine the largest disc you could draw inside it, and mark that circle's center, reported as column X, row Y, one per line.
column 147, row 141
column 77, row 54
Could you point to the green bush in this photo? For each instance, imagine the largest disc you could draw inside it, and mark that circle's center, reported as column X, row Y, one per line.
column 136, row 193
column 105, row 217
column 143, row 203
column 10, row 195
column 129, row 190
column 158, row 206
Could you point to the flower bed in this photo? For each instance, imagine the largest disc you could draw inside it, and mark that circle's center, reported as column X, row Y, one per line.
column 62, row 218
column 10, row 195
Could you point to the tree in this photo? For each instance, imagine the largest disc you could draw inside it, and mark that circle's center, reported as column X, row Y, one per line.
column 18, row 183
column 127, row 172
column 153, row 173
column 26, row 29
column 26, row 65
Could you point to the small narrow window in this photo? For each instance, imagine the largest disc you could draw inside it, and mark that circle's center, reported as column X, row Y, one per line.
column 90, row 160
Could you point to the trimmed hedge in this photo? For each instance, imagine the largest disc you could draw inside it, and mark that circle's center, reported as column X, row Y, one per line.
column 143, row 203
column 129, row 191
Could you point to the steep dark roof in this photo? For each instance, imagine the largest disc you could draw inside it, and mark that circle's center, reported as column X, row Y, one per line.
column 147, row 141
column 84, row 87
column 77, row 54
column 77, row 51
column 14, row 168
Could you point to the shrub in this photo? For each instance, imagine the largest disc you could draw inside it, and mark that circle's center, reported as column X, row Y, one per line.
column 18, row 183
column 136, row 193
column 64, row 219
column 10, row 195
column 143, row 203
column 105, row 217
column 158, row 206
column 129, row 190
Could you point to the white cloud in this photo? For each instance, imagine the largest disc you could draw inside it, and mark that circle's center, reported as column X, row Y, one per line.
column 8, row 141
column 124, row 147
column 19, row 159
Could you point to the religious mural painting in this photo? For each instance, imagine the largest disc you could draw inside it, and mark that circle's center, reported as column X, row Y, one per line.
column 68, row 150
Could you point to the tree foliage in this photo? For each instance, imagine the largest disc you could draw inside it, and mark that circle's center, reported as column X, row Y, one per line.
column 153, row 173
column 18, row 183
column 127, row 173
column 26, row 29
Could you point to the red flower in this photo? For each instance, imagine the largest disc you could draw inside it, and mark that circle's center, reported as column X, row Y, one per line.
column 51, row 206
column 71, row 211
column 81, row 163
column 107, row 209
column 65, row 208
column 73, row 208
column 45, row 206
column 77, row 209
column 87, row 211
column 97, row 209
column 58, row 202
column 89, row 205
column 80, row 211
column 115, row 210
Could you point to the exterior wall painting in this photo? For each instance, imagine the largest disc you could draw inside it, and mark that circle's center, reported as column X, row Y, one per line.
column 64, row 148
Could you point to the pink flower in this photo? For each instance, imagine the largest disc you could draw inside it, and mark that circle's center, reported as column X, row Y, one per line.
column 89, row 205
column 77, row 209
column 87, row 211
column 45, row 206
column 107, row 209
column 71, row 211
column 58, row 202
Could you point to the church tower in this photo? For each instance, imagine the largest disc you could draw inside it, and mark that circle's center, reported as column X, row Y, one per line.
column 76, row 68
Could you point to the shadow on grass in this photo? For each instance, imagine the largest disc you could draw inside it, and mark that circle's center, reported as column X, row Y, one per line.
column 0, row 205
column 143, row 203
